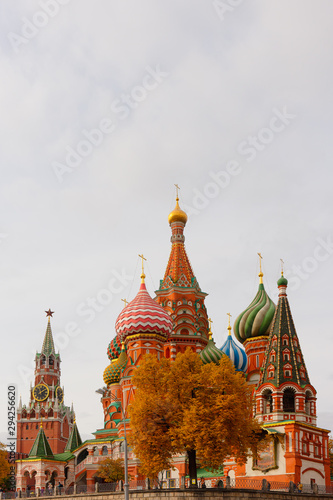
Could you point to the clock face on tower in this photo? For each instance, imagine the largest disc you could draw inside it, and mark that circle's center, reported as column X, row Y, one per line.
column 40, row 392
column 59, row 394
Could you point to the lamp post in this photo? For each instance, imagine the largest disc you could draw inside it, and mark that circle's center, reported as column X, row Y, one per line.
column 126, row 485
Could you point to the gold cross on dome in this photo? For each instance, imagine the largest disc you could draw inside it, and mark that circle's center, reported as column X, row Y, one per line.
column 282, row 264
column 143, row 270
column 260, row 259
column 210, row 323
column 178, row 188
column 261, row 273
column 125, row 302
column 229, row 316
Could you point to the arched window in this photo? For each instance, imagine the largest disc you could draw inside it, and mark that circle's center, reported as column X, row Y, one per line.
column 308, row 395
column 268, row 401
column 95, row 451
column 285, row 340
column 104, row 450
column 42, row 360
column 81, row 456
column 274, row 341
column 51, row 361
column 289, row 400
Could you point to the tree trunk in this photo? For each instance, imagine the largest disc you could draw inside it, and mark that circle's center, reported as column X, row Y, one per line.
column 192, row 468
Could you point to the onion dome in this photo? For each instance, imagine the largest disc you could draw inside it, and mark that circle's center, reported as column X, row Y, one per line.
column 114, row 349
column 256, row 320
column 143, row 315
column 112, row 373
column 210, row 353
column 177, row 214
column 235, row 353
column 282, row 281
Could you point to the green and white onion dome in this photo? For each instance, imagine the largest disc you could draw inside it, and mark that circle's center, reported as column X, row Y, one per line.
column 210, row 353
column 112, row 373
column 256, row 320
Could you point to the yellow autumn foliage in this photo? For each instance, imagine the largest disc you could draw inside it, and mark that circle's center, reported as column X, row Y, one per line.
column 185, row 405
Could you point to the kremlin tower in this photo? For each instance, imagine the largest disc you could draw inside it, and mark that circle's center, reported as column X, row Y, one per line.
column 46, row 402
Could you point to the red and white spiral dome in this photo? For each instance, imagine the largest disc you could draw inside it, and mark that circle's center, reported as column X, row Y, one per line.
column 143, row 315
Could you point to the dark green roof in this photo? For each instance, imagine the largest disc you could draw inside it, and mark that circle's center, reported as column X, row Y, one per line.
column 63, row 457
column 74, row 440
column 283, row 343
column 48, row 345
column 41, row 447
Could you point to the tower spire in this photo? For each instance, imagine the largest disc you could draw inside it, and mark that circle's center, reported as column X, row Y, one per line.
column 48, row 344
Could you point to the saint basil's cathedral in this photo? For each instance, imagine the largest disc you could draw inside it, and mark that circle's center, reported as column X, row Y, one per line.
column 267, row 350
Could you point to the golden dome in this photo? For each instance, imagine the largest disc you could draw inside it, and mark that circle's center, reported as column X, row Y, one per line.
column 177, row 214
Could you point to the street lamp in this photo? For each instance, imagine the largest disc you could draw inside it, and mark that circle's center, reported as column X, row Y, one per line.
column 126, row 485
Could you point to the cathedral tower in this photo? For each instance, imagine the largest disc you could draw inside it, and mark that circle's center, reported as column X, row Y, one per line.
column 180, row 294
column 252, row 328
column 284, row 391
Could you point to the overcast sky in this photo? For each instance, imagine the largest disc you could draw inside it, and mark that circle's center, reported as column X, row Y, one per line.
column 104, row 107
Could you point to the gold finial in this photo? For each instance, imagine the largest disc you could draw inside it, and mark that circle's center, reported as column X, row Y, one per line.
column 282, row 263
column 74, row 420
column 177, row 195
column 261, row 273
column 123, row 346
column 143, row 271
column 41, row 422
column 125, row 302
column 229, row 326
column 210, row 321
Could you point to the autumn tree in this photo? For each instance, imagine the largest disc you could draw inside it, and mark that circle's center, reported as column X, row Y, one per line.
column 112, row 470
column 4, row 465
column 186, row 406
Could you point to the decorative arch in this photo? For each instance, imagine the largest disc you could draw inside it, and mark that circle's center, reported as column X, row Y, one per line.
column 289, row 399
column 312, row 469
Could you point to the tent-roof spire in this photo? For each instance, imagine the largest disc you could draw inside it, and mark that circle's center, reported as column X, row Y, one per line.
column 48, row 344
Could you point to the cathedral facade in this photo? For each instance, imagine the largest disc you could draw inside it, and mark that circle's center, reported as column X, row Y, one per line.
column 266, row 348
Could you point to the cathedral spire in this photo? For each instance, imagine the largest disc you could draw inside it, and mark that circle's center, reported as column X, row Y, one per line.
column 48, row 344
column 179, row 270
column 283, row 360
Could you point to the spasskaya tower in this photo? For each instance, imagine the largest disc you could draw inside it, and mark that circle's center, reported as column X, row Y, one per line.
column 46, row 401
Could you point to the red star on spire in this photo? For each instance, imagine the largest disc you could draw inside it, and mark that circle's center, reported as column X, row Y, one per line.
column 49, row 313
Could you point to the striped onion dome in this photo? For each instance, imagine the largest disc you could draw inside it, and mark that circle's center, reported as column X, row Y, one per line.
column 143, row 315
column 235, row 353
column 210, row 353
column 256, row 320
column 112, row 373
column 114, row 349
